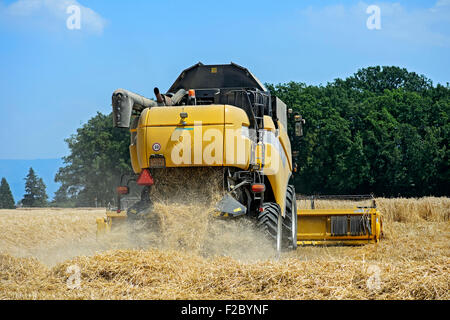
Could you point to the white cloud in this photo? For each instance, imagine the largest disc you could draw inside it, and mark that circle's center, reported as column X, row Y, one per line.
column 418, row 26
column 429, row 26
column 52, row 14
column 443, row 3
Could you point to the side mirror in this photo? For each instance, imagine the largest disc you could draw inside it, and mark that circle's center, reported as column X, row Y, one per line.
column 299, row 122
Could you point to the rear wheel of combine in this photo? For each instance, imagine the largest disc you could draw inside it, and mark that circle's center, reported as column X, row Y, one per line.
column 270, row 222
column 290, row 219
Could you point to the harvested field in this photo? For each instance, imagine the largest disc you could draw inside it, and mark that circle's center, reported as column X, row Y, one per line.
column 42, row 252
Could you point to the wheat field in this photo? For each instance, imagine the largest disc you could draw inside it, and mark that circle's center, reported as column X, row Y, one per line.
column 54, row 254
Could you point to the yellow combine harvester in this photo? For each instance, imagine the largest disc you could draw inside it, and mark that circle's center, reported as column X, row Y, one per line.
column 223, row 118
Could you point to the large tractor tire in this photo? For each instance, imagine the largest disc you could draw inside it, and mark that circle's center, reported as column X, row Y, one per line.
column 283, row 231
column 290, row 219
column 271, row 223
column 268, row 219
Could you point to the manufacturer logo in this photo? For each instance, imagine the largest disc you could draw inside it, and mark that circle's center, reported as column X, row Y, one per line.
column 156, row 146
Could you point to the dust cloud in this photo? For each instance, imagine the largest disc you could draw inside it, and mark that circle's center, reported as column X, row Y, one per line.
column 183, row 203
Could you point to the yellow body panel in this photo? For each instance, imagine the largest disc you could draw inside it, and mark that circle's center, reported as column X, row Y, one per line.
column 237, row 144
column 183, row 146
column 235, row 116
column 170, row 116
column 213, row 135
column 268, row 124
column 277, row 166
column 286, row 143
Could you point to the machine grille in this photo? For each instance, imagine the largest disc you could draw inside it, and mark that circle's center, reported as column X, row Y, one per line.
column 360, row 225
column 339, row 225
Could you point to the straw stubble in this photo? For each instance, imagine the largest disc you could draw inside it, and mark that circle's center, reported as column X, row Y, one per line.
column 198, row 257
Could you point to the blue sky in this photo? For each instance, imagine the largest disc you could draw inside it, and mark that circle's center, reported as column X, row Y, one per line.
column 54, row 79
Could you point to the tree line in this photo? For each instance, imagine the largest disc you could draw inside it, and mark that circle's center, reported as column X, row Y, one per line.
column 383, row 130
column 35, row 193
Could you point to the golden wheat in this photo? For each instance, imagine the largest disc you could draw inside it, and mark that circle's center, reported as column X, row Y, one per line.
column 203, row 258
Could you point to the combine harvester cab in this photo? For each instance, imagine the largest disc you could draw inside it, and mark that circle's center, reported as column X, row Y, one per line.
column 219, row 117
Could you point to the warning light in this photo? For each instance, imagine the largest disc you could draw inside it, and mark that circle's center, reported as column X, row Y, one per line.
column 258, row 187
column 122, row 190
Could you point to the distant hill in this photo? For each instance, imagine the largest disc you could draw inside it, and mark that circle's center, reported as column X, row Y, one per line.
column 15, row 172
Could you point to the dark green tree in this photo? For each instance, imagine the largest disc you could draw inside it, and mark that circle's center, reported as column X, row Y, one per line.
column 62, row 199
column 383, row 130
column 377, row 79
column 6, row 197
column 99, row 154
column 35, row 191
